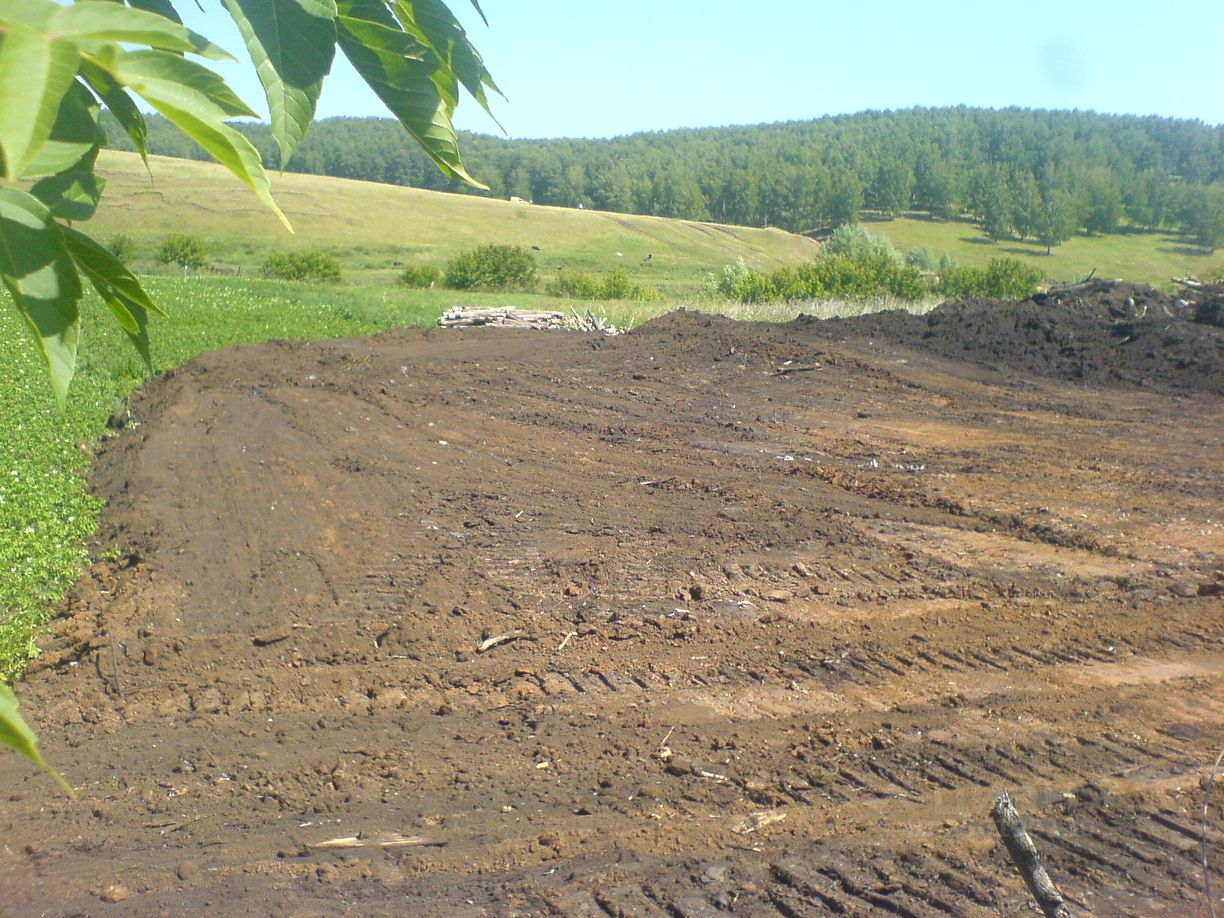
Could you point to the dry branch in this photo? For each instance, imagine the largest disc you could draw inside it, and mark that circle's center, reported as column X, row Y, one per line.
column 1024, row 855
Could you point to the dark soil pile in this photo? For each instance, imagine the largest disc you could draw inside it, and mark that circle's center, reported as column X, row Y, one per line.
column 1104, row 334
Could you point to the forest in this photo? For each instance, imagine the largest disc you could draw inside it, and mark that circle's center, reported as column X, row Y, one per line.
column 1041, row 175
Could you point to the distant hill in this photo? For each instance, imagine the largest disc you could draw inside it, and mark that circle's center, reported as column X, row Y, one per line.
column 378, row 227
column 1009, row 169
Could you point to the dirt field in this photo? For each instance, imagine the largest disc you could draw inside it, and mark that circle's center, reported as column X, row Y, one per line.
column 705, row 619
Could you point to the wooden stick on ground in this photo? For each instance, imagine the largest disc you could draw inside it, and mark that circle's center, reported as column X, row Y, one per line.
column 1024, row 855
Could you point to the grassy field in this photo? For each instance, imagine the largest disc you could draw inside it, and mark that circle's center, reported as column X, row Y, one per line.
column 374, row 229
column 1147, row 257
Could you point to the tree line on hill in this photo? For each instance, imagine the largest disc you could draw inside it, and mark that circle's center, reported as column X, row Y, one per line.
column 1041, row 175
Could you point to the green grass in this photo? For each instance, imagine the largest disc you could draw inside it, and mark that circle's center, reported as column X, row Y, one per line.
column 1146, row 257
column 373, row 227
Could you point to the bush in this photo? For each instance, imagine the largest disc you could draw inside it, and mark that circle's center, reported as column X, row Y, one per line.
column 312, row 265
column 492, row 267
column 858, row 243
column 1003, row 279
column 617, row 285
column 184, row 251
column 420, row 276
column 922, row 258
column 576, row 285
column 123, row 247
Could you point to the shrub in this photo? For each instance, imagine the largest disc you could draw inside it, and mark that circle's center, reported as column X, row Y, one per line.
column 577, row 285
column 857, row 242
column 1003, row 278
column 185, row 251
column 123, row 247
column 492, row 267
column 922, row 258
column 617, row 285
column 420, row 276
column 312, row 265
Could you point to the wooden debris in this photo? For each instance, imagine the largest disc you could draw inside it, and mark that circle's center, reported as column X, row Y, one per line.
column 510, row 317
column 490, row 642
column 1024, row 855
column 571, row 634
column 758, row 821
column 382, row 840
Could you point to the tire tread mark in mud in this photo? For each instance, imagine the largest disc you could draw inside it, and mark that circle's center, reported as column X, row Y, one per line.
column 795, row 878
column 1078, row 849
column 856, row 883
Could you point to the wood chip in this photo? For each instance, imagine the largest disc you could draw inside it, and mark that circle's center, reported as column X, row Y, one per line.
column 489, row 643
column 758, row 821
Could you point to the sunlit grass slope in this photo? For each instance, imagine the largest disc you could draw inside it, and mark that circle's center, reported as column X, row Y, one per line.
column 1146, row 257
column 371, row 227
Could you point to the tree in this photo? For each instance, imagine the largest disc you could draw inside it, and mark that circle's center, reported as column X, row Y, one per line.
column 1057, row 219
column 62, row 65
column 1203, row 215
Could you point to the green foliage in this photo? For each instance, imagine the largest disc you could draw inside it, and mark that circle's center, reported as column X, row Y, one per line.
column 1002, row 278
column 578, row 285
column 310, row 265
column 853, row 263
column 856, row 242
column 61, row 64
column 1203, row 216
column 492, row 267
column 123, row 247
column 420, row 276
column 615, row 285
column 922, row 258
column 184, row 250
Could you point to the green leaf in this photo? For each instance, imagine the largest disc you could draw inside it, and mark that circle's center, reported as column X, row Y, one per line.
column 197, row 101
column 40, row 274
column 74, row 136
column 16, row 734
column 400, row 71
column 291, row 43
column 98, row 20
column 433, row 24
column 35, row 73
column 118, row 287
column 70, row 195
column 161, row 7
column 120, row 104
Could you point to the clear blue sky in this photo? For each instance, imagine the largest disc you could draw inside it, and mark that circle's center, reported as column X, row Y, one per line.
column 595, row 69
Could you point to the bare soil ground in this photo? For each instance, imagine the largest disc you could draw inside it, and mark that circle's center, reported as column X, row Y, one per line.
column 706, row 619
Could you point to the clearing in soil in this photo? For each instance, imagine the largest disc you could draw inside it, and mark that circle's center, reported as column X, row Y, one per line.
column 705, row 619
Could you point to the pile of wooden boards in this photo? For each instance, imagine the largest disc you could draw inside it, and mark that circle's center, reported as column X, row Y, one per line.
column 510, row 317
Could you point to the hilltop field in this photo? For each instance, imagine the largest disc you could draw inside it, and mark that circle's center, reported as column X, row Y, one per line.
column 708, row 618
column 376, row 229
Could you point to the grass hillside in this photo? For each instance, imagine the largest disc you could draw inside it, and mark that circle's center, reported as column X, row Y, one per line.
column 1151, row 257
column 371, row 227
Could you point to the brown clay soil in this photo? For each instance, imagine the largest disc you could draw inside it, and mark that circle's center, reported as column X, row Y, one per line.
column 707, row 619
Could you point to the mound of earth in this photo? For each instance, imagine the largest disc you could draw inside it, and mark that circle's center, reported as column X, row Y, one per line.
column 705, row 619
column 1102, row 334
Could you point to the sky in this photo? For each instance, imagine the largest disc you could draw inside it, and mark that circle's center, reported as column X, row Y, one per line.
column 570, row 68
